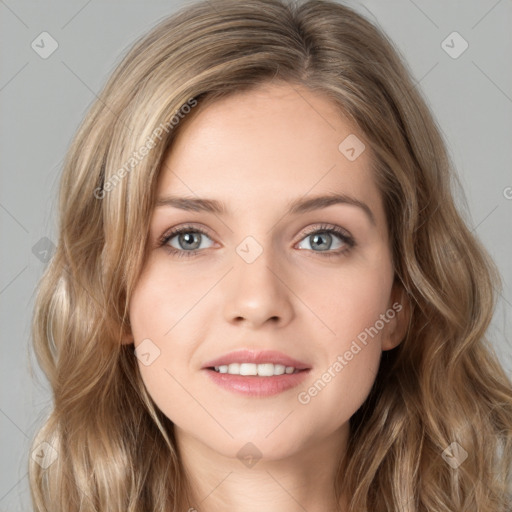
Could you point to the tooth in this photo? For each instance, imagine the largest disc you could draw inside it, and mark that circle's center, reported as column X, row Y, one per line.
column 279, row 369
column 234, row 368
column 266, row 370
column 248, row 369
column 262, row 370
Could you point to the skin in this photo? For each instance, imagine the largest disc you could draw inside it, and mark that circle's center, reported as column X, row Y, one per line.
column 257, row 151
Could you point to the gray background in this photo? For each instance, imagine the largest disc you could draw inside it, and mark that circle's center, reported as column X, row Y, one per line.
column 43, row 101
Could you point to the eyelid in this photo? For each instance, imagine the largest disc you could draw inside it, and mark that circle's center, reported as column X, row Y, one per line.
column 324, row 227
column 172, row 232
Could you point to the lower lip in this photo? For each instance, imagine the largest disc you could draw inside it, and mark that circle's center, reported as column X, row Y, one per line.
column 253, row 385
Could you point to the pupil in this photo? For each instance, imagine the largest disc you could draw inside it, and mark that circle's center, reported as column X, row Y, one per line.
column 319, row 237
column 189, row 238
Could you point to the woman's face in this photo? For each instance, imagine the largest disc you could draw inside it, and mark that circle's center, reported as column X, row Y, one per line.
column 266, row 275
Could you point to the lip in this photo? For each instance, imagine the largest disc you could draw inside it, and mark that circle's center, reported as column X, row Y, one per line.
column 256, row 357
column 255, row 386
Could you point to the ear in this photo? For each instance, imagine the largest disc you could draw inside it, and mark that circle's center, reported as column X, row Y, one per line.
column 396, row 329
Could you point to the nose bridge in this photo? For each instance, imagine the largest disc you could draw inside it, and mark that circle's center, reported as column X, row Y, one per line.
column 256, row 290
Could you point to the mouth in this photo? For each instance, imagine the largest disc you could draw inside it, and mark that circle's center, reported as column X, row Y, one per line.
column 256, row 370
column 256, row 374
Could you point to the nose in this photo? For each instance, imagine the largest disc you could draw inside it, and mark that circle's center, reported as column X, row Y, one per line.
column 258, row 292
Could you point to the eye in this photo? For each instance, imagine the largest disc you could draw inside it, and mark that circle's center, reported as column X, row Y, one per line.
column 321, row 237
column 188, row 240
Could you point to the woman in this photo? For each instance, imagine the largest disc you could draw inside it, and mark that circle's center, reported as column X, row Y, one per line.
column 321, row 345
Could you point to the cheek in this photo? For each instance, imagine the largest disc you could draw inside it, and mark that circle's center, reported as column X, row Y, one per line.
column 346, row 372
column 163, row 302
column 166, row 317
column 350, row 344
column 350, row 298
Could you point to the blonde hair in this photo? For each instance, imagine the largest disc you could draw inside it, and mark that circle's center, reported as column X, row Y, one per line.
column 443, row 384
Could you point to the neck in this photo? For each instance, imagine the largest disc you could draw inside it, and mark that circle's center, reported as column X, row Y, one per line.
column 303, row 480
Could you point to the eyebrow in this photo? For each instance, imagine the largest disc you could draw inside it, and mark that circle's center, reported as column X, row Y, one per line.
column 294, row 207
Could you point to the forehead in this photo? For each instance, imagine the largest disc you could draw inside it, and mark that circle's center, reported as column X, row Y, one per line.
column 271, row 144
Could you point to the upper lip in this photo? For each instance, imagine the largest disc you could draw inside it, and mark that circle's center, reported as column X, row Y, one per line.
column 256, row 357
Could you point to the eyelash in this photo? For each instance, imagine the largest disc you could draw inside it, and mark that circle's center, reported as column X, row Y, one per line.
column 349, row 241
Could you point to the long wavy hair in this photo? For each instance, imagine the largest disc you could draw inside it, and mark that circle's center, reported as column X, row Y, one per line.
column 110, row 447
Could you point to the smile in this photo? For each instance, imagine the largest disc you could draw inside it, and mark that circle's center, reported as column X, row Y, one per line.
column 261, row 370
